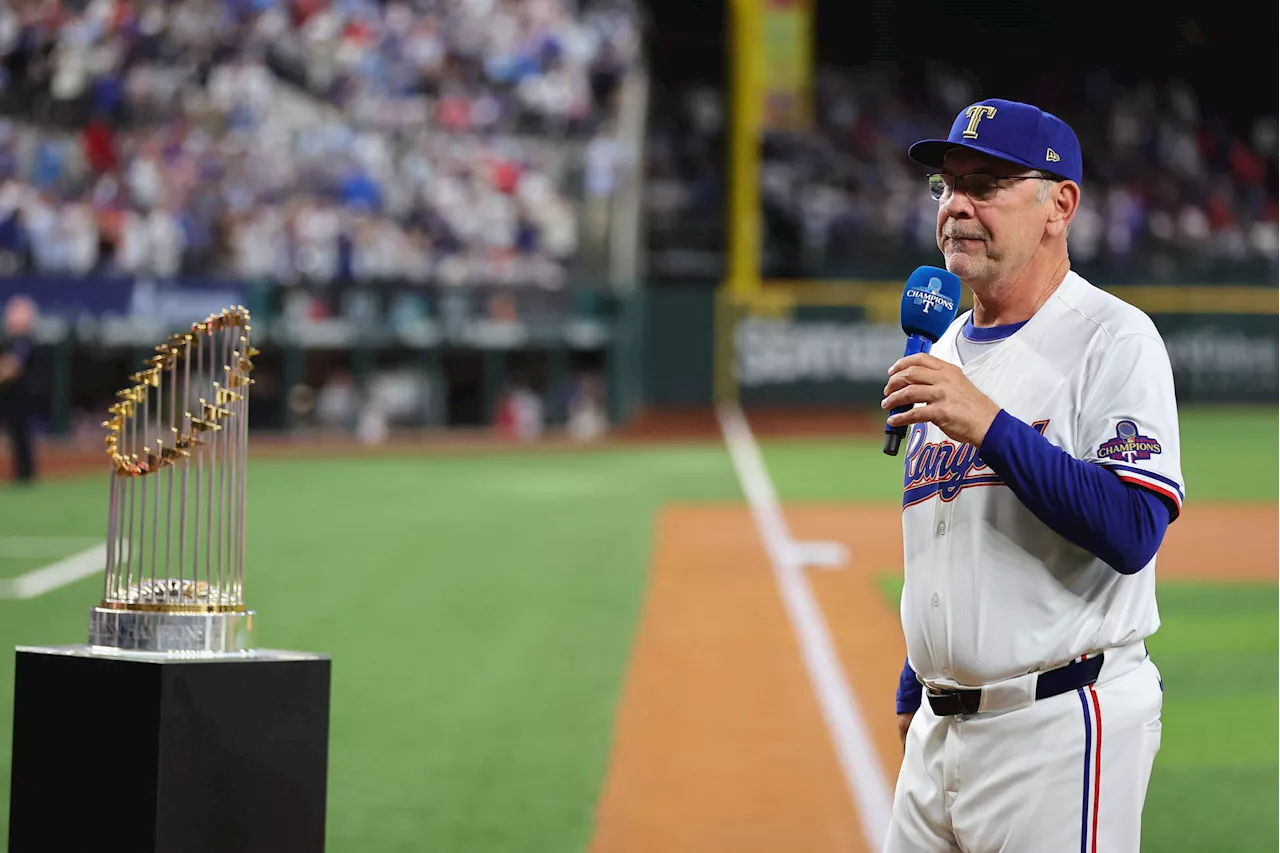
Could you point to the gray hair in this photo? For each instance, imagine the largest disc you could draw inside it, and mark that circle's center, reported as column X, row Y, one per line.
column 1042, row 192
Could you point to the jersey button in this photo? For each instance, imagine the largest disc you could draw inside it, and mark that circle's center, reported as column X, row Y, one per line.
column 942, row 528
column 934, row 600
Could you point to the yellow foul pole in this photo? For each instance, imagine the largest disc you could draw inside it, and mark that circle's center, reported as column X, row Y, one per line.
column 771, row 85
column 744, row 231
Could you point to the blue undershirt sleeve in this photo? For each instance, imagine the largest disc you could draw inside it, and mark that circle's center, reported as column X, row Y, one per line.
column 909, row 690
column 1088, row 505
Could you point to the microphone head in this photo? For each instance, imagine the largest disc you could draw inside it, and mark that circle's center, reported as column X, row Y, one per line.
column 929, row 302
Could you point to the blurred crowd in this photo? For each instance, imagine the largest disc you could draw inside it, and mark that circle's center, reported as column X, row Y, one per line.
column 293, row 139
column 1170, row 188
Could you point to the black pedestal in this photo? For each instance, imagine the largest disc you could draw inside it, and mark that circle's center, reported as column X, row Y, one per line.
column 114, row 753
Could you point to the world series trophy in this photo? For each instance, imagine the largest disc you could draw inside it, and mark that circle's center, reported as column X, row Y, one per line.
column 174, row 579
column 170, row 730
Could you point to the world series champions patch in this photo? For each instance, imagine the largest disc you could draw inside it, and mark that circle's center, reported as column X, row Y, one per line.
column 1129, row 445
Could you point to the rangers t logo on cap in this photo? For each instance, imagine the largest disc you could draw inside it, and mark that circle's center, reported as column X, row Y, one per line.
column 1013, row 131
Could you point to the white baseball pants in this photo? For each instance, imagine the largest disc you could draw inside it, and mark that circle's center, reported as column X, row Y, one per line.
column 1065, row 774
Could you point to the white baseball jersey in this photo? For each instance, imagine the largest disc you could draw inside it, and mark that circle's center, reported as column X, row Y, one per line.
column 990, row 591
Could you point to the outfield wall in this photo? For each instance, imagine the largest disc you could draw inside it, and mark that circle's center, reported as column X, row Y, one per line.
column 830, row 344
column 443, row 355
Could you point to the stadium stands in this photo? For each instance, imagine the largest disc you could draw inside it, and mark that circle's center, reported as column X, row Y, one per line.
column 1172, row 190
column 319, row 140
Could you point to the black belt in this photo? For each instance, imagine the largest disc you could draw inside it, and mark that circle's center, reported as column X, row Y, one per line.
column 1073, row 676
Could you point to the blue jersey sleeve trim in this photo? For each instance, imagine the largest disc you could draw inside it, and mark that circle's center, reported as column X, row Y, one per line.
column 1084, row 503
column 1161, row 485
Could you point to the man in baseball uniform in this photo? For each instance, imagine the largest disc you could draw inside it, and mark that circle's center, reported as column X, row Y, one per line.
column 1042, row 470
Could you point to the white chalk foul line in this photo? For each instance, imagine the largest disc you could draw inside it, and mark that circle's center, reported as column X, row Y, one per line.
column 66, row 571
column 854, row 751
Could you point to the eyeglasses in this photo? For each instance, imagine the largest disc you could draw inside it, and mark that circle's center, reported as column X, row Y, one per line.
column 978, row 187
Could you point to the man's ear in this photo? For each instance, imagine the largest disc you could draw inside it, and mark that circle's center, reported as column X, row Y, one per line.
column 1064, row 201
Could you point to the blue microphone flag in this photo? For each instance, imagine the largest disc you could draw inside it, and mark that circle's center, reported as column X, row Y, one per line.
column 929, row 302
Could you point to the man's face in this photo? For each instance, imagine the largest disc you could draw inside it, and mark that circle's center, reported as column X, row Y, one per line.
column 985, row 226
column 19, row 315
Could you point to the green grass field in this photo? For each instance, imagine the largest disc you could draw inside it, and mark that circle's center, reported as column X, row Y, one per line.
column 480, row 612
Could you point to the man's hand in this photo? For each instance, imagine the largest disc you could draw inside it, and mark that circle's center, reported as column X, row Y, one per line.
column 951, row 401
column 904, row 724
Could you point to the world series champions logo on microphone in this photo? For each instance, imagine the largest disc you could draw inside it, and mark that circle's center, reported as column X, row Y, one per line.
column 931, row 296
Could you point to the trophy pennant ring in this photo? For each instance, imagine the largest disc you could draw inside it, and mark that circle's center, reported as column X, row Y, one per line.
column 177, row 440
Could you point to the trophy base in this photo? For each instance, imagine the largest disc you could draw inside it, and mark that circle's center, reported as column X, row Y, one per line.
column 150, row 753
column 170, row 632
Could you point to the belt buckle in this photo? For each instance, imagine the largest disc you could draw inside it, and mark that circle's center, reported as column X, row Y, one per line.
column 949, row 702
column 947, row 705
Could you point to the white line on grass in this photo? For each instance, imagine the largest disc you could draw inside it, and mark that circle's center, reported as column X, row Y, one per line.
column 59, row 574
column 854, row 751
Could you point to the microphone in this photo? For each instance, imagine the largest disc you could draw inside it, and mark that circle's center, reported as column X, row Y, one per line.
column 929, row 303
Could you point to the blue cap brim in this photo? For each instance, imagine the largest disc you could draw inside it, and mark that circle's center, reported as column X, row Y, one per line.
column 929, row 152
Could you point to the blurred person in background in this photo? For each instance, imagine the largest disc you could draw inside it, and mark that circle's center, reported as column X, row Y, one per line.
column 588, row 420
column 519, row 413
column 338, row 403
column 16, row 413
